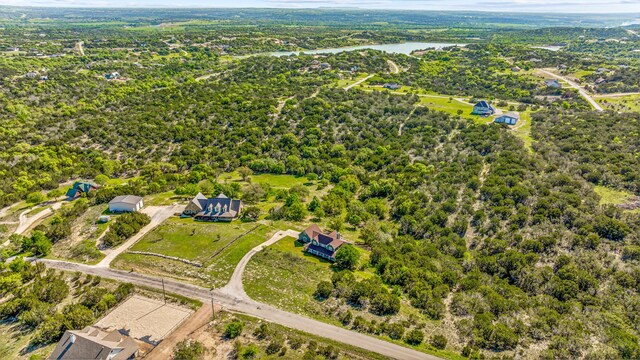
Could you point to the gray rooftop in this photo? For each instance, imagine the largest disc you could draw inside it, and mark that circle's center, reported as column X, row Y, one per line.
column 126, row 199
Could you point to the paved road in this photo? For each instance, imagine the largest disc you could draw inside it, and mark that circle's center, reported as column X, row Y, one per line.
column 253, row 308
column 359, row 82
column 158, row 215
column 580, row 89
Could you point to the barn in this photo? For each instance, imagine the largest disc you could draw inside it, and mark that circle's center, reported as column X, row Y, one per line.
column 125, row 203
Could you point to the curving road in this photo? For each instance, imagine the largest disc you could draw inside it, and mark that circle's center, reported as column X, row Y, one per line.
column 233, row 298
column 250, row 307
column 580, row 89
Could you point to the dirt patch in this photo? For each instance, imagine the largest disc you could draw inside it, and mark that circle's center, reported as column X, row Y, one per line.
column 145, row 319
column 632, row 204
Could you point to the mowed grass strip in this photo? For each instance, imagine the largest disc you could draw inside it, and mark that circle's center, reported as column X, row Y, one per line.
column 191, row 240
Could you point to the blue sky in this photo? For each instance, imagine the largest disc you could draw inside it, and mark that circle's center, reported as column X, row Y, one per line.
column 588, row 6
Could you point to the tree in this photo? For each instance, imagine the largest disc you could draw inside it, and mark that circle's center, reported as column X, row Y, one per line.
column 36, row 197
column 347, row 257
column 250, row 213
column 395, row 331
column 101, row 179
column 323, row 290
column 233, row 329
column 253, row 193
column 245, row 172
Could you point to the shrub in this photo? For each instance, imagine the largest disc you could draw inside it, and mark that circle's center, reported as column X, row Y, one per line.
column 395, row 331
column 188, row 350
column 438, row 341
column 233, row 329
column 414, row 337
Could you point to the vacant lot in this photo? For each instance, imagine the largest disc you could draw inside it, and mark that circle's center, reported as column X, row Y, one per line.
column 191, row 240
column 145, row 319
column 217, row 246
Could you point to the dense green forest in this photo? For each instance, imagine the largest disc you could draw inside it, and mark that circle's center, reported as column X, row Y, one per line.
column 465, row 223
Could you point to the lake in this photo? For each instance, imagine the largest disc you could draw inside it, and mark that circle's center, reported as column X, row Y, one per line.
column 401, row 48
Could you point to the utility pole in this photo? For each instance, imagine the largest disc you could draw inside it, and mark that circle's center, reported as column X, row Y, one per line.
column 164, row 295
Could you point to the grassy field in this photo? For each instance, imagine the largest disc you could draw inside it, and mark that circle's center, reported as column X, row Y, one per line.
column 191, row 240
column 610, row 196
column 627, row 103
column 217, row 246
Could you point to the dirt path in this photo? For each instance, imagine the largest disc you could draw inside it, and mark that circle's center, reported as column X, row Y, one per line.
column 405, row 120
column 197, row 320
column 79, row 47
column 580, row 89
column 393, row 67
column 158, row 215
column 359, row 82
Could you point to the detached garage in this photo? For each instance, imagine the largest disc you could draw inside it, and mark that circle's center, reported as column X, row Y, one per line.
column 125, row 203
column 510, row 118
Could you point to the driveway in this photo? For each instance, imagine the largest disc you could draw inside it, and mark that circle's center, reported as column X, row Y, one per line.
column 158, row 215
column 580, row 89
column 359, row 82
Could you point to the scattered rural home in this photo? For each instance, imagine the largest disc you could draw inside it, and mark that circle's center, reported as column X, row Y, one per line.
column 126, row 203
column 321, row 244
column 553, row 83
column 392, row 86
column 220, row 208
column 79, row 188
column 112, row 76
column 31, row 74
column 483, row 108
column 600, row 81
column 94, row 343
column 44, row 77
column 562, row 67
column 516, row 69
column 602, row 70
column 510, row 118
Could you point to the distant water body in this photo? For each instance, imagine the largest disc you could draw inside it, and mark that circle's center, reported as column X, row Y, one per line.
column 401, row 48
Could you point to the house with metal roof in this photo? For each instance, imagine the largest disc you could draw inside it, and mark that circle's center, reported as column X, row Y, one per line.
column 321, row 244
column 510, row 118
column 126, row 203
column 219, row 208
column 94, row 343
column 79, row 188
column 483, row 108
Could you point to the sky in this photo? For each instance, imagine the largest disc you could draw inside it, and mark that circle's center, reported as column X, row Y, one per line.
column 571, row 6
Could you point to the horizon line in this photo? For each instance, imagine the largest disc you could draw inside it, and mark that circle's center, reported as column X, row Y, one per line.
column 345, row 8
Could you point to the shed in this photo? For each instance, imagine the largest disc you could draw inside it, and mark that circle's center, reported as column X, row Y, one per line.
column 126, row 203
column 510, row 118
column 392, row 86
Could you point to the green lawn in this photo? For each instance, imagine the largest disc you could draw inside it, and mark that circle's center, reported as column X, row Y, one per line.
column 191, row 240
column 207, row 245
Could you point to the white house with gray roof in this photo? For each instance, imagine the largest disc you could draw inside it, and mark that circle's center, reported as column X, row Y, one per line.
column 219, row 208
column 94, row 343
column 126, row 203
